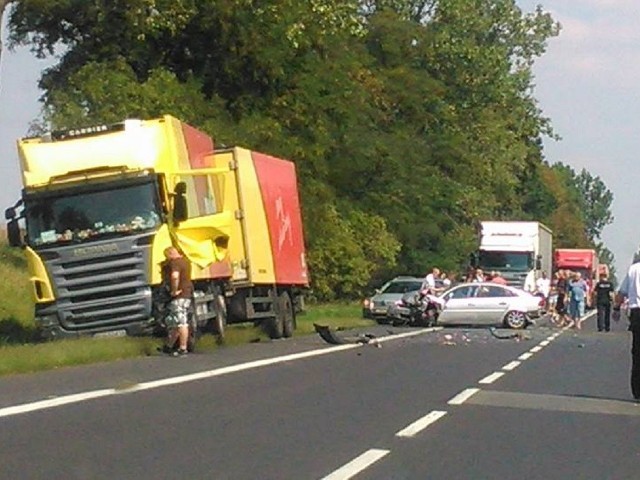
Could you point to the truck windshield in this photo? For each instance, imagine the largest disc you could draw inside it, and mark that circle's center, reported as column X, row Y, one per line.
column 83, row 215
column 504, row 261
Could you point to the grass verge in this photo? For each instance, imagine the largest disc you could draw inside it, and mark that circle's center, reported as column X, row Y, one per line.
column 32, row 357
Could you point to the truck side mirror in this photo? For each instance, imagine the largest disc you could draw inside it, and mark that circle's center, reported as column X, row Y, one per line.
column 13, row 233
column 180, row 209
column 10, row 213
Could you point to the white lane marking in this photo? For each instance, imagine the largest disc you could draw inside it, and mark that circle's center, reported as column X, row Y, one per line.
column 84, row 396
column 536, row 349
column 463, row 396
column 357, row 465
column 389, row 338
column 55, row 402
column 525, row 356
column 551, row 338
column 544, row 343
column 491, row 378
column 422, row 423
column 511, row 365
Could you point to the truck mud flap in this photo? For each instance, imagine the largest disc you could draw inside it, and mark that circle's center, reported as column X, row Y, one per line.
column 330, row 337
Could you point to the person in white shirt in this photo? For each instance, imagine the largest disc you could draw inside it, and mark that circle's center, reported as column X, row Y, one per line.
column 429, row 282
column 630, row 291
column 543, row 285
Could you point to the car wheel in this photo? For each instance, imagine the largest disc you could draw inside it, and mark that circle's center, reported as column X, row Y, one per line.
column 515, row 319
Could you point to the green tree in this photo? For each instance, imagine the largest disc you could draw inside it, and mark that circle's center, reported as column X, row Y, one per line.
column 409, row 120
column 596, row 203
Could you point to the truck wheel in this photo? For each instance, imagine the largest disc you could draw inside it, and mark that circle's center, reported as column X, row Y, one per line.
column 219, row 323
column 194, row 333
column 285, row 308
column 274, row 327
column 191, row 341
column 516, row 320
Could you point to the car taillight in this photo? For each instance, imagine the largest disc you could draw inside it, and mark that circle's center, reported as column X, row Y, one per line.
column 542, row 302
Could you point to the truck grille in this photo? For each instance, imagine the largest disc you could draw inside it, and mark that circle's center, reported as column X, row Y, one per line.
column 103, row 291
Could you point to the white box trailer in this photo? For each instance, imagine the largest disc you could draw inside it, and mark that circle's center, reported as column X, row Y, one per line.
column 520, row 251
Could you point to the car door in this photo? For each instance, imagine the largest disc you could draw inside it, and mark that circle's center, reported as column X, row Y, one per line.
column 459, row 305
column 492, row 303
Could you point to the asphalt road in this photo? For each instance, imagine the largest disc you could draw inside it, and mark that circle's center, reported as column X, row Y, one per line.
column 448, row 404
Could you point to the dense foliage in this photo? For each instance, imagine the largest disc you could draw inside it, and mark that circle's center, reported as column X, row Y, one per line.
column 409, row 120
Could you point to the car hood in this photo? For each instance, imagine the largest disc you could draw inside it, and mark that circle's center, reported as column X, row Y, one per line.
column 387, row 298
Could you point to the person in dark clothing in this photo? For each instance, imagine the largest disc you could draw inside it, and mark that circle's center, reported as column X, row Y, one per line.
column 561, row 300
column 601, row 297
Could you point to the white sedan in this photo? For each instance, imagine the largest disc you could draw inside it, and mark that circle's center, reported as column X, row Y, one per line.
column 489, row 303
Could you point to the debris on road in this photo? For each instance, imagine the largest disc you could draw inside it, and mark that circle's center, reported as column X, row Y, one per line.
column 330, row 337
column 518, row 336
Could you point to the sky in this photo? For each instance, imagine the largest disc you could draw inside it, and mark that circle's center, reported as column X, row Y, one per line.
column 587, row 83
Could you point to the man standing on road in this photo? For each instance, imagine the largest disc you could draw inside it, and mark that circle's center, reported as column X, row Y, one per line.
column 602, row 293
column 176, row 273
column 630, row 289
column 577, row 293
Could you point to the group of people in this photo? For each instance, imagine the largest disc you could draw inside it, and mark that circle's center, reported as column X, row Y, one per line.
column 571, row 295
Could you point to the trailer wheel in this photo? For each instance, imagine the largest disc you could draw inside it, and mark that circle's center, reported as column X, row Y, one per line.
column 285, row 310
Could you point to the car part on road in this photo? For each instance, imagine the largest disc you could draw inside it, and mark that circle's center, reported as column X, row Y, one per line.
column 329, row 336
column 510, row 336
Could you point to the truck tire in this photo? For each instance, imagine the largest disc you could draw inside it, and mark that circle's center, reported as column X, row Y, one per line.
column 194, row 332
column 219, row 322
column 285, row 308
column 274, row 327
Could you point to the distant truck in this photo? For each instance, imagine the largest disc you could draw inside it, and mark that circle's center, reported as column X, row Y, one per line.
column 100, row 205
column 520, row 251
column 581, row 260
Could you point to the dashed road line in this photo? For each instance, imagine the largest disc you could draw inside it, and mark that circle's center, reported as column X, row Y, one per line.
column 536, row 349
column 544, row 343
column 491, row 378
column 525, row 356
column 420, row 424
column 463, row 396
column 357, row 465
column 511, row 365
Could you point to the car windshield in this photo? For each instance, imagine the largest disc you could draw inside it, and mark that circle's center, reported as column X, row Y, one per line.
column 402, row 287
column 505, row 261
column 74, row 216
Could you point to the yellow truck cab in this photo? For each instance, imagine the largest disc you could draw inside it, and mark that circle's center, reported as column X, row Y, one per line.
column 100, row 205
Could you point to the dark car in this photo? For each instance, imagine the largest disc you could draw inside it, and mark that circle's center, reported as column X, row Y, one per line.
column 375, row 307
